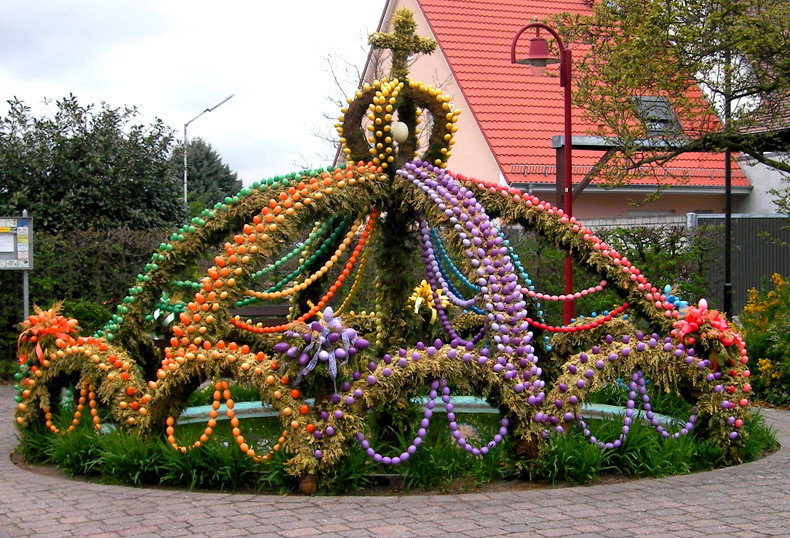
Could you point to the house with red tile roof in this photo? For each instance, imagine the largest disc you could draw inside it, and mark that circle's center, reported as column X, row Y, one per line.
column 509, row 116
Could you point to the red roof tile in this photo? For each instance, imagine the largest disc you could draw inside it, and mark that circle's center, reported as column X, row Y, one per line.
column 518, row 112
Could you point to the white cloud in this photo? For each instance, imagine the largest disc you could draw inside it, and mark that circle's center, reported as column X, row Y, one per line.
column 173, row 59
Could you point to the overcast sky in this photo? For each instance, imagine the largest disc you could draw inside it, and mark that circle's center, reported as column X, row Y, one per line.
column 173, row 59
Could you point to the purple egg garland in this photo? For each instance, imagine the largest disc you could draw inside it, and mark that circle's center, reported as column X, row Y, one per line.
column 637, row 384
column 504, row 303
column 422, row 432
column 434, row 271
column 637, row 389
column 429, row 259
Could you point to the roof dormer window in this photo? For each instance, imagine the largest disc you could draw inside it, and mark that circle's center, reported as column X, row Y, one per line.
column 657, row 115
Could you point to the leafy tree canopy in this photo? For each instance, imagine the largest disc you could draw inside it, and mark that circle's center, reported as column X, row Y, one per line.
column 736, row 51
column 209, row 180
column 87, row 168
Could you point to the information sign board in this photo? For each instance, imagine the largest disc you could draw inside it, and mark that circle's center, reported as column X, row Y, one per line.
column 16, row 243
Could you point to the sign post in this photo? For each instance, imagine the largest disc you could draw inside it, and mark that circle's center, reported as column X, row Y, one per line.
column 16, row 251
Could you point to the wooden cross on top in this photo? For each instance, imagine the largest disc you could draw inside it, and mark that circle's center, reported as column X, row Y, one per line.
column 403, row 42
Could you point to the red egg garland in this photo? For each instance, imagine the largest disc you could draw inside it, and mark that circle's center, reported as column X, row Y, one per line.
column 564, row 297
column 576, row 328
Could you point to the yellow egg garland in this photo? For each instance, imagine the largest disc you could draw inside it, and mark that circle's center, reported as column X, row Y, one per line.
column 379, row 103
column 363, row 262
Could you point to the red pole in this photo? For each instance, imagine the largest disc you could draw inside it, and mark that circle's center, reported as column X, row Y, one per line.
column 565, row 81
column 567, row 198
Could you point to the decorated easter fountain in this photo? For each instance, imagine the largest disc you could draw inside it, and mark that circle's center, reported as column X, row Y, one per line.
column 364, row 223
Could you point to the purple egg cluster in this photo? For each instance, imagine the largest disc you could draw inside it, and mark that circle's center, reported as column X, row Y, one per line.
column 324, row 341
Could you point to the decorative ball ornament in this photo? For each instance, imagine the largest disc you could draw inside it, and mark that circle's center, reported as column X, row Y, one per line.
column 400, row 132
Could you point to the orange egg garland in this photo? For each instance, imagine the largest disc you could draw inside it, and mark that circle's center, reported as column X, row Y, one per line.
column 222, row 391
column 86, row 391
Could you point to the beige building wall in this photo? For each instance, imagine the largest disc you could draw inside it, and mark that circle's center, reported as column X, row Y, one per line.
column 600, row 205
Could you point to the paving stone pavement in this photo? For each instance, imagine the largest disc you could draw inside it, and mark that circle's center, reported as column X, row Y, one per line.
column 747, row 500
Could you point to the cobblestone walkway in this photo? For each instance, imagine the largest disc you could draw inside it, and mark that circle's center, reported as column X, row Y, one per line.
column 694, row 505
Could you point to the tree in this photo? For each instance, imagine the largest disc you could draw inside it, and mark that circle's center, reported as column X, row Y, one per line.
column 86, row 168
column 209, row 180
column 666, row 50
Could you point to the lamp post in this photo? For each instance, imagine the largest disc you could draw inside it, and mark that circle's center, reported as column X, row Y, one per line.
column 185, row 142
column 538, row 58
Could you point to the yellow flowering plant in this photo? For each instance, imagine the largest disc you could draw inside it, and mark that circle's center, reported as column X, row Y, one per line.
column 766, row 328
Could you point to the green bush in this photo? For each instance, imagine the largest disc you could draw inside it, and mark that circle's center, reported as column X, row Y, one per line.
column 35, row 445
column 646, row 453
column 439, row 464
column 275, row 477
column 91, row 316
column 78, row 452
column 766, row 329
column 91, row 270
column 442, row 464
column 674, row 255
column 350, row 474
column 760, row 438
column 571, row 458
column 215, row 465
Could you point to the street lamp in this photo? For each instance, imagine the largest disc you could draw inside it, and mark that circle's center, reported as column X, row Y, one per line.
column 538, row 58
column 185, row 143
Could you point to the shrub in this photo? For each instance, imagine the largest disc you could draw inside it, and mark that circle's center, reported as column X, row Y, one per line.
column 91, row 316
column 570, row 458
column 78, row 452
column 215, row 465
column 351, row 473
column 766, row 328
column 674, row 255
column 90, row 269
column 35, row 445
column 646, row 453
column 440, row 463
